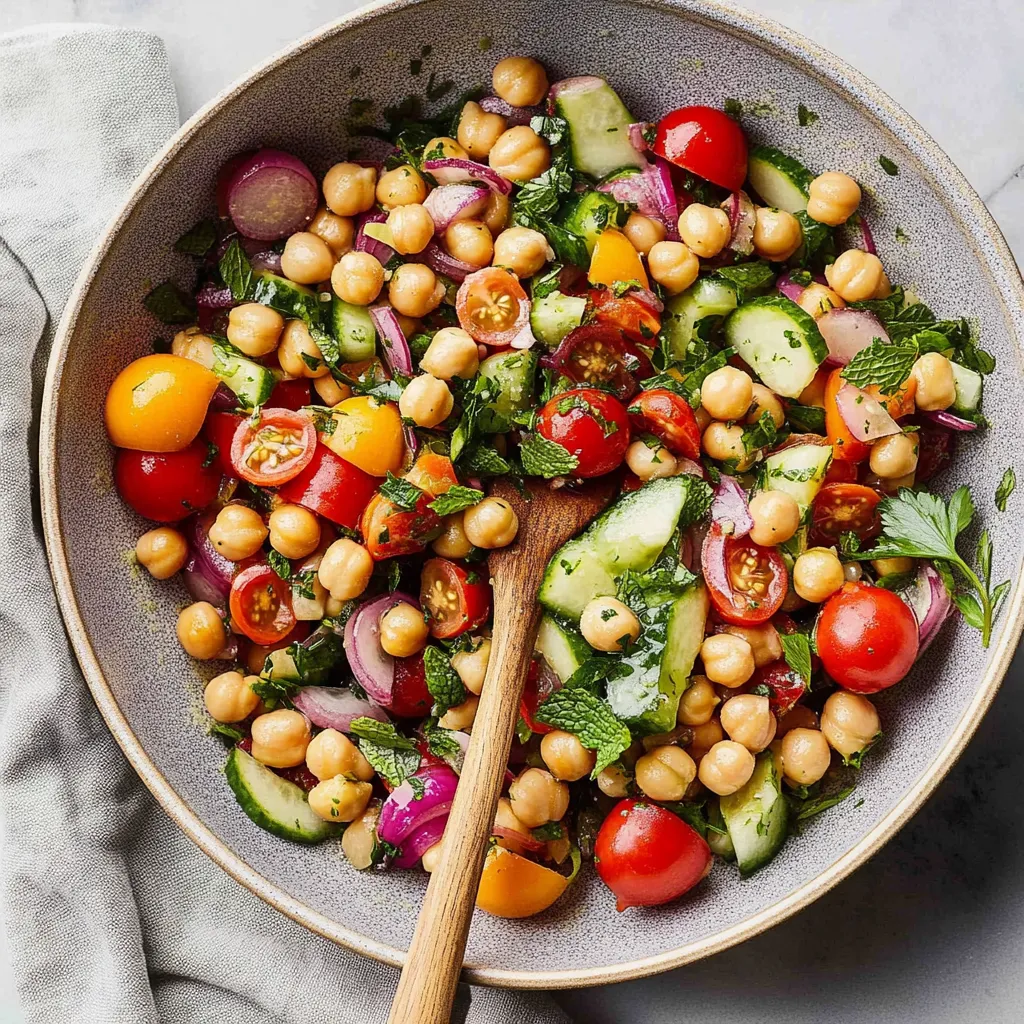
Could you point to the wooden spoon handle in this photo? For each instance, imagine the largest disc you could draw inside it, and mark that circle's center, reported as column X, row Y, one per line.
column 431, row 973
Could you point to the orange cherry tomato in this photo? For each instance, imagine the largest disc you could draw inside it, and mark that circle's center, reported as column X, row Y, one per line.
column 275, row 450
column 158, row 403
column 901, row 402
column 389, row 531
column 492, row 306
column 615, row 260
column 638, row 321
column 844, row 507
column 845, row 447
column 368, row 433
column 261, row 604
column 512, row 886
column 432, row 473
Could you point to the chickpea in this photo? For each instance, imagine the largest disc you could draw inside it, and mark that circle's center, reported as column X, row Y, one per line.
column 522, row 250
column 673, row 266
column 415, row 290
column 360, row 839
column 403, row 631
column 817, row 575
column 412, row 228
column 665, row 773
column 332, row 753
column 229, row 697
column 469, row 241
column 298, row 353
column 889, row 486
column 814, row 393
column 495, row 214
column 818, row 299
column 357, row 278
column 698, row 702
column 723, row 442
column 310, row 609
column 764, row 400
column 238, row 532
column 162, row 552
column 280, row 738
column 349, row 189
column 763, row 639
column 703, row 418
column 705, row 230
column 330, row 391
column 520, row 81
column 462, row 715
column 889, row 566
column 728, row 660
column 345, row 569
column 727, row 393
column 432, row 857
column 935, row 387
column 704, row 738
column 748, row 719
column 472, row 666
column 894, row 456
column 520, row 154
column 453, row 542
column 492, row 523
column 505, row 817
column 478, row 131
column 294, row 531
column 567, row 759
column 834, row 198
column 850, row 724
column 776, row 517
column 726, row 767
column 426, row 401
column 805, row 756
column 254, row 329
column 613, row 781
column 193, row 345
column 884, row 289
column 855, row 275
column 852, row 572
column 777, row 234
column 306, row 259
column 650, row 463
column 643, row 232
column 337, row 232
column 537, row 797
column 444, row 147
column 606, row 621
column 339, row 799
column 798, row 717
column 451, row 353
column 400, row 187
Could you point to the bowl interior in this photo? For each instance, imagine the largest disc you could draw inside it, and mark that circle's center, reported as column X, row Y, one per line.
column 658, row 57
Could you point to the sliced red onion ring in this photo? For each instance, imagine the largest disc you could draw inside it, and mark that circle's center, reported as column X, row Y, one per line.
column 396, row 349
column 448, row 203
column 525, row 338
column 403, row 814
column 441, row 262
column 647, row 298
column 788, row 287
column 847, row 331
column 364, row 243
column 635, row 189
column 372, row 666
column 208, row 574
column 453, row 171
column 865, row 418
column 271, row 194
column 858, row 234
column 224, row 399
column 948, row 419
column 742, row 219
column 335, row 707
column 526, row 841
column 513, row 115
column 214, row 296
column 729, row 508
column 427, row 835
column 930, row 602
column 638, row 135
column 659, row 177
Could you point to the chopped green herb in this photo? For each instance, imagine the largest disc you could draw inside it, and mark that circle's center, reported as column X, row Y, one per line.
column 805, row 116
column 1006, row 487
column 170, row 305
column 590, row 720
column 279, row 564
column 888, row 166
column 541, row 457
column 236, row 270
column 456, row 499
column 443, row 681
column 199, row 238
column 796, row 649
column 401, row 493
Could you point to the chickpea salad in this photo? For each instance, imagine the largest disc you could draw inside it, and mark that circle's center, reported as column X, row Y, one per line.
column 535, row 283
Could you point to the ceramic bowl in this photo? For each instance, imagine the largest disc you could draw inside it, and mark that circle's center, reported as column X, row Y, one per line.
column 933, row 235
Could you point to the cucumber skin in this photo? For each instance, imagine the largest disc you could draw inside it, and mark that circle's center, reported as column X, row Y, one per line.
column 736, row 806
column 581, row 142
column 684, row 310
column 288, row 298
column 553, row 312
column 799, row 176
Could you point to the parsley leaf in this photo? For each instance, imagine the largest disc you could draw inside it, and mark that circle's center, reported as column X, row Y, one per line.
column 1006, row 487
column 761, row 434
column 236, row 270
column 170, row 305
column 280, row 564
column 796, row 649
column 590, row 720
column 401, row 493
column 456, row 499
column 541, row 196
column 886, row 365
column 199, row 238
column 443, row 681
column 541, row 457
column 805, row 116
column 554, row 129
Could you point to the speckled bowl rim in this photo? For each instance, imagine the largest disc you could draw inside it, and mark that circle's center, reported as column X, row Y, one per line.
column 874, row 104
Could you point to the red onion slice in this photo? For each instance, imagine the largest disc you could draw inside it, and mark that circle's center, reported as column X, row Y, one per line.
column 441, row 262
column 395, row 348
column 214, row 296
column 364, row 243
column 930, row 602
column 402, row 814
column 848, row 331
column 335, row 707
column 427, row 835
column 638, row 135
column 513, row 115
column 448, row 203
column 663, row 191
column 452, row 171
column 372, row 666
column 948, row 419
column 647, row 298
column 857, row 233
column 729, row 508
column 208, row 574
column 742, row 219
column 525, row 840
column 634, row 189
column 865, row 418
column 271, row 194
column 788, row 287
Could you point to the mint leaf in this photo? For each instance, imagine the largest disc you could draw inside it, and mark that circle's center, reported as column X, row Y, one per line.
column 590, row 720
column 807, row 419
column 384, row 734
column 811, row 805
column 749, row 279
column 481, row 460
column 443, row 681
column 199, row 238
column 796, row 649
column 885, row 365
column 170, row 305
column 236, row 270
column 541, row 457
column 401, row 493
column 391, row 763
column 456, row 499
column 761, row 434
column 280, row 564
column 1006, row 487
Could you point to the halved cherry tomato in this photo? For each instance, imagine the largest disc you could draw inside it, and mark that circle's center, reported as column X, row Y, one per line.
column 747, row 583
column 615, row 261
column 290, row 394
column 257, row 654
column 492, row 306
column 842, row 508
column 935, row 447
column 274, row 451
column 219, row 430
column 455, row 597
column 706, row 142
column 845, row 447
column 647, row 855
column 841, row 472
column 410, row 697
column 261, row 604
column 300, row 775
column 331, row 487
column 590, row 424
column 389, row 531
column 639, row 322
column 432, row 473
column 512, row 886
column 670, row 418
column 601, row 354
column 167, row 486
column 368, row 433
column 785, row 687
column 540, row 684
column 630, row 482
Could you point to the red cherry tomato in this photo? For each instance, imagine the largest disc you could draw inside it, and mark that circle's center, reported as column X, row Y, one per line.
column 935, row 449
column 389, row 532
column 841, row 472
column 332, row 487
column 220, row 429
column 647, row 855
column 867, row 638
column 455, row 598
column 746, row 582
column 261, row 604
column 590, row 424
column 290, row 394
column 410, row 697
column 167, row 486
column 601, row 354
column 540, row 684
column 300, row 775
column 670, row 418
column 640, row 323
column 706, row 142
column 842, row 508
column 845, row 447
column 276, row 450
column 492, row 306
column 785, row 687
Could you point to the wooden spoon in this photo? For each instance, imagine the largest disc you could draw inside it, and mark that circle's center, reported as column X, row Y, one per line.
column 432, row 966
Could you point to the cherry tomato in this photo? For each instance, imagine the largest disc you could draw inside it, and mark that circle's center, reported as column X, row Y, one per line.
column 845, row 447
column 841, row 508
column 492, row 306
column 867, row 638
column 455, row 598
column 747, row 583
column 647, row 855
column 785, row 687
column 274, row 451
column 410, row 697
column 639, row 322
column 902, row 402
column 368, row 433
column 705, row 142
column 512, row 886
column 219, row 430
column 630, row 482
column 540, row 684
column 432, row 473
column 669, row 417
column 158, row 403
column 600, row 354
column 841, row 472
column 166, row 486
column 331, row 487
column 615, row 261
column 389, row 531
column 261, row 604
column 590, row 424
column 290, row 394
column 300, row 775
column 935, row 449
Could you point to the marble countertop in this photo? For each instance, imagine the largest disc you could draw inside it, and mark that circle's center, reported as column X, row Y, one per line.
column 932, row 929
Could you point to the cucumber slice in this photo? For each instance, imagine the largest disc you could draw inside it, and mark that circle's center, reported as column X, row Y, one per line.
column 757, row 816
column 707, row 296
column 251, row 381
column 274, row 803
column 289, row 299
column 778, row 179
column 555, row 315
column 590, row 213
column 514, row 374
column 779, row 341
column 720, row 843
column 561, row 646
column 598, row 126
column 798, row 471
column 969, row 386
column 355, row 331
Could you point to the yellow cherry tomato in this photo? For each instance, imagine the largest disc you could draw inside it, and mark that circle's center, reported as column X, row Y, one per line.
column 512, row 886
column 158, row 403
column 368, row 434
column 615, row 260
